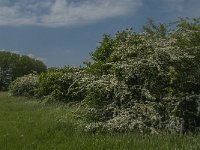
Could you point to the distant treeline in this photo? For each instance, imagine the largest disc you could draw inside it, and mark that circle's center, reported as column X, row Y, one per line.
column 14, row 65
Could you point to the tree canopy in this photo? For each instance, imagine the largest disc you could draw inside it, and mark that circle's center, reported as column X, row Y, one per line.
column 15, row 65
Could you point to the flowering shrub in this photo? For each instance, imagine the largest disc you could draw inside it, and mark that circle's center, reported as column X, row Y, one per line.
column 152, row 83
column 24, row 86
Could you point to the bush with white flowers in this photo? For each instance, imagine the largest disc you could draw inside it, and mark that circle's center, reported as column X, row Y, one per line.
column 24, row 86
column 147, row 83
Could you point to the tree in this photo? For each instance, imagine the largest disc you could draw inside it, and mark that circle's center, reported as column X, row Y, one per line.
column 17, row 66
column 5, row 78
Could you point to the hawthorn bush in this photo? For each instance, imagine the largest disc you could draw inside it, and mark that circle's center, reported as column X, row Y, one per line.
column 147, row 82
column 24, row 86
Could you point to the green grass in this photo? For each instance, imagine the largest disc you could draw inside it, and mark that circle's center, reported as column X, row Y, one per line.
column 27, row 124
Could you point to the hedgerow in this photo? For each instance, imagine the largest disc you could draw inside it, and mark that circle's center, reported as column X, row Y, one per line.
column 145, row 82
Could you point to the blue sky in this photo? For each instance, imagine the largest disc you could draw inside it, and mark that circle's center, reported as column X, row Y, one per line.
column 64, row 32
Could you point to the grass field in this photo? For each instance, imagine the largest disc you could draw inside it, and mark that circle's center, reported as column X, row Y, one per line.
column 27, row 124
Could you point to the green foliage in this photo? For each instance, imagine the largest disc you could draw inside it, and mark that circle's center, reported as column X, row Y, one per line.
column 152, row 82
column 60, row 85
column 24, row 86
column 19, row 65
column 101, row 56
column 152, row 29
column 5, row 78
column 104, row 50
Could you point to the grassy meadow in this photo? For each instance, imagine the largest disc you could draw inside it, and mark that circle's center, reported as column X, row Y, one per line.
column 28, row 124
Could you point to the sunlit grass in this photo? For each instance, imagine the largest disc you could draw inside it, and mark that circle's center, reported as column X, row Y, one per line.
column 27, row 124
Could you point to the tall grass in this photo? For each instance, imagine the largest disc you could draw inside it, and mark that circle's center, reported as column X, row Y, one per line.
column 27, row 124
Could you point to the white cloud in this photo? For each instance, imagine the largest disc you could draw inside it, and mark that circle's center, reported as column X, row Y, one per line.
column 55, row 13
column 36, row 57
